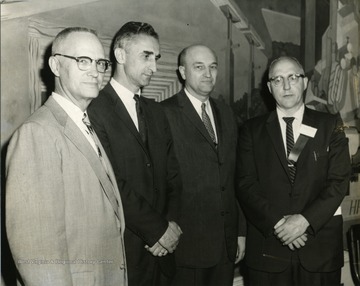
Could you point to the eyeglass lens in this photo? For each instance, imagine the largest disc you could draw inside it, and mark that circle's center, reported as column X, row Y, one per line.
column 84, row 63
column 292, row 79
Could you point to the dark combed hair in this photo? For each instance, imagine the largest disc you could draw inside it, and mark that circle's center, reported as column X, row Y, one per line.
column 66, row 32
column 131, row 29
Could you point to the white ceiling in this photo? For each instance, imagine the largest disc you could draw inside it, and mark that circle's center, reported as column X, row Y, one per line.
column 11, row 9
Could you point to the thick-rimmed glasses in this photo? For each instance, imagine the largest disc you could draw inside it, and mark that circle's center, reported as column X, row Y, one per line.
column 84, row 63
column 292, row 79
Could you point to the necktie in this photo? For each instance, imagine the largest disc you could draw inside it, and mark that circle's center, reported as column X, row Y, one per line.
column 86, row 121
column 290, row 145
column 141, row 119
column 206, row 119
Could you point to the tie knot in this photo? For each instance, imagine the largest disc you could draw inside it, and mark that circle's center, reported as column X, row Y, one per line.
column 136, row 97
column 85, row 119
column 203, row 106
column 289, row 120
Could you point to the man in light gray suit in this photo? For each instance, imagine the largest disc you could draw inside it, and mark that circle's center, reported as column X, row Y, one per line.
column 64, row 217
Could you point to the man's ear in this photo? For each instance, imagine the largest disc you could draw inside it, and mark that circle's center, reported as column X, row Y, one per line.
column 306, row 81
column 54, row 65
column 120, row 55
column 182, row 72
column 269, row 86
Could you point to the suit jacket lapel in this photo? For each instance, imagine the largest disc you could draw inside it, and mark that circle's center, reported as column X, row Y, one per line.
column 274, row 131
column 194, row 118
column 72, row 132
column 123, row 114
column 310, row 121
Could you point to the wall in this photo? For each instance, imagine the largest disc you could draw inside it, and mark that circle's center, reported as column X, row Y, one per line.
column 178, row 22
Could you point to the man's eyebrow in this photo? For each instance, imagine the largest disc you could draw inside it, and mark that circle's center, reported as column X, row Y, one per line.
column 148, row 53
column 202, row 63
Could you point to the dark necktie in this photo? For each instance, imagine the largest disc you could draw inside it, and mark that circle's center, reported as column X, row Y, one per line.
column 141, row 119
column 206, row 119
column 290, row 145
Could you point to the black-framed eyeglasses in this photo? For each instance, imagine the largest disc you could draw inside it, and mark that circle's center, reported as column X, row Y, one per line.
column 84, row 63
column 279, row 80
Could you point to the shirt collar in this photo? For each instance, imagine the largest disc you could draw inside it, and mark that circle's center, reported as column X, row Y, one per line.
column 196, row 102
column 74, row 112
column 298, row 114
column 122, row 91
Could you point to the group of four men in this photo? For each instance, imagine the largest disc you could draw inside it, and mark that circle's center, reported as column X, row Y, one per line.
column 87, row 163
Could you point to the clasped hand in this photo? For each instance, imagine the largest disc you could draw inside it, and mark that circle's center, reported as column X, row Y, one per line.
column 168, row 242
column 291, row 229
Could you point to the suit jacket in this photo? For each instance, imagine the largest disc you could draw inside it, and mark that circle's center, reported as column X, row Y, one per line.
column 64, row 217
column 209, row 211
column 266, row 194
column 151, row 171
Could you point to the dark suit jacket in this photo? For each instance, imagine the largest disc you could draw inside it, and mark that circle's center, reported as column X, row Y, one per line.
column 152, row 173
column 266, row 194
column 209, row 211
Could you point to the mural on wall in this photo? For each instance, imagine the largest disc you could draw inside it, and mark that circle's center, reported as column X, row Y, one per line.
column 335, row 86
column 334, row 81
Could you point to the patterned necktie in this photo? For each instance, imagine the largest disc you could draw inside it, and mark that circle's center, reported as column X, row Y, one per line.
column 206, row 119
column 86, row 121
column 141, row 119
column 289, row 146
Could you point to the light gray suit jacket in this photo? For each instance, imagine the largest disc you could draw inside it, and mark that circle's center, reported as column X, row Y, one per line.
column 64, row 217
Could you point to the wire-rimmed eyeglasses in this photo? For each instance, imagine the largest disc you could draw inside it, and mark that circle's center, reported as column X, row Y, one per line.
column 292, row 79
column 84, row 63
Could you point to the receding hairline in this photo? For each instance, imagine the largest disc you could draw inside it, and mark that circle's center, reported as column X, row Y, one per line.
column 281, row 59
column 183, row 54
column 64, row 35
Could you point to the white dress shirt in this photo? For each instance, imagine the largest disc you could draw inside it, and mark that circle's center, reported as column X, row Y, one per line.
column 298, row 115
column 76, row 115
column 127, row 98
column 197, row 105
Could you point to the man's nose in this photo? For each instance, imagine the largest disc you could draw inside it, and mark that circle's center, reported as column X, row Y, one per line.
column 153, row 65
column 286, row 84
column 93, row 69
column 207, row 72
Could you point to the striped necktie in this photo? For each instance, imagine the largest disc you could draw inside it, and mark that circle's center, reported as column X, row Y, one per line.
column 207, row 122
column 289, row 146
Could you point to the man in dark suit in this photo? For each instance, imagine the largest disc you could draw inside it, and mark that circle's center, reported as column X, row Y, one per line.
column 293, row 173
column 205, row 138
column 135, row 134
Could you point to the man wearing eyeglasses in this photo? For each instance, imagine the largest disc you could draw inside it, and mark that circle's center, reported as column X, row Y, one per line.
column 137, row 138
column 64, row 216
column 293, row 173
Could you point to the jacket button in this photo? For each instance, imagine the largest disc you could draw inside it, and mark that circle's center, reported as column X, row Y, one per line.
column 222, row 213
column 223, row 189
column 148, row 165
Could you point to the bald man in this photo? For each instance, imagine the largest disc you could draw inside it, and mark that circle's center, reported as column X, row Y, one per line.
column 205, row 136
